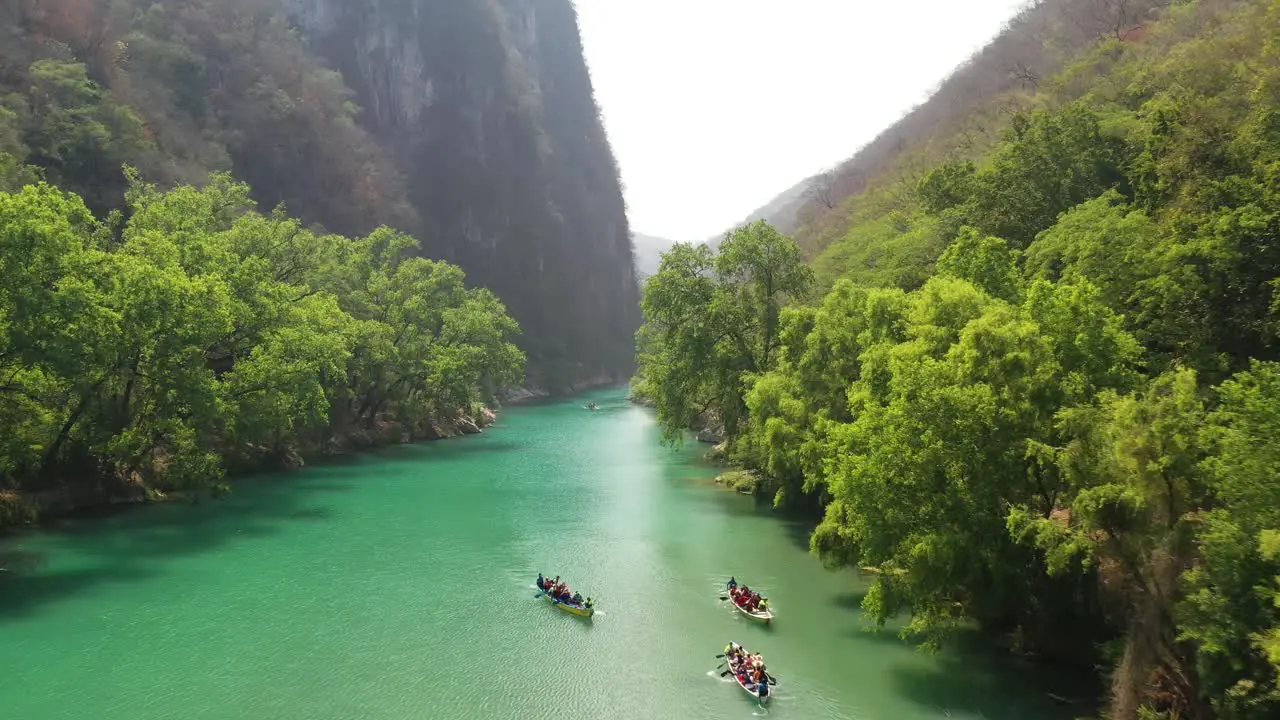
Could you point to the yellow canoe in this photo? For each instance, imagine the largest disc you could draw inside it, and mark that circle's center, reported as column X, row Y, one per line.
column 571, row 609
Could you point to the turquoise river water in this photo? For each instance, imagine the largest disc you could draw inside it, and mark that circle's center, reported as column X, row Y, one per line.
column 399, row 585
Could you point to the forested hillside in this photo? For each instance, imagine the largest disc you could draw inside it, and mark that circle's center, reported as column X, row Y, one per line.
column 1030, row 379
column 469, row 124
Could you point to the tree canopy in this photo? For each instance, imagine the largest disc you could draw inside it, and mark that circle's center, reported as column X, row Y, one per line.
column 200, row 336
column 1040, row 392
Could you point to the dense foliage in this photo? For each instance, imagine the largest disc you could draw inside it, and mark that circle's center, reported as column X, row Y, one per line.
column 199, row 336
column 1042, row 392
column 493, row 155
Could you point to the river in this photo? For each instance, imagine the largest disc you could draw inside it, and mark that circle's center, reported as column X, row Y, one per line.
column 398, row 585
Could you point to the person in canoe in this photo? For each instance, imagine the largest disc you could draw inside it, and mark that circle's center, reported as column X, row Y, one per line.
column 761, row 676
column 732, row 584
column 736, row 655
column 749, row 600
column 546, row 584
column 559, row 591
column 749, row 669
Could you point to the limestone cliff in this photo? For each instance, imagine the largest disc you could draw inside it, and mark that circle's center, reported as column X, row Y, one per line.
column 487, row 108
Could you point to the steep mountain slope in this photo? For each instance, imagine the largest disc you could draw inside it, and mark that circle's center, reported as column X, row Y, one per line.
column 967, row 112
column 782, row 212
column 469, row 123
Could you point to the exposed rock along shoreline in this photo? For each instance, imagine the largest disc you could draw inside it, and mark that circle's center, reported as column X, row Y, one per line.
column 532, row 393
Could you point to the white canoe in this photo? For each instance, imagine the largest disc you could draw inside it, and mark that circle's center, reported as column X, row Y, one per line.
column 759, row 616
column 750, row 688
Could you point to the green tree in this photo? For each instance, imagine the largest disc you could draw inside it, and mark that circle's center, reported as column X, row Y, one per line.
column 425, row 347
column 1230, row 612
column 199, row 337
column 1048, row 163
column 712, row 321
column 79, row 133
column 987, row 262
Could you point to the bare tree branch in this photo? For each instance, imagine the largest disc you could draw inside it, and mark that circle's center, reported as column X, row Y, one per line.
column 822, row 189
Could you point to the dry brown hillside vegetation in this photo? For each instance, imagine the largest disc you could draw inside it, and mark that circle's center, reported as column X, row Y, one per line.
column 969, row 110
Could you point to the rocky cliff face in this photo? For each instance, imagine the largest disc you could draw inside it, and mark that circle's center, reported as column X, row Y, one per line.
column 488, row 109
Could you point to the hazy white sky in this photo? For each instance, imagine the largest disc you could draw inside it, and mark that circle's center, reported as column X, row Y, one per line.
column 714, row 107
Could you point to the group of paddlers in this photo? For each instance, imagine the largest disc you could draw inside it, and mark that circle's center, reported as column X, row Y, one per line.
column 746, row 598
column 559, row 592
column 748, row 668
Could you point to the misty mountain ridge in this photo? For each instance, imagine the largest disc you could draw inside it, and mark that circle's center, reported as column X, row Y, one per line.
column 648, row 251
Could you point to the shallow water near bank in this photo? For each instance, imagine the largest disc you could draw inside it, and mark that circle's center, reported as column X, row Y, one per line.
column 399, row 584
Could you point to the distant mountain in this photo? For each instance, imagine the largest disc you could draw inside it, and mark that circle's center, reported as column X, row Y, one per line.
column 782, row 212
column 648, row 251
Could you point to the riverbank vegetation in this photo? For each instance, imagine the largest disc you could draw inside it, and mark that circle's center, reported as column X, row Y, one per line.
column 191, row 336
column 1035, row 385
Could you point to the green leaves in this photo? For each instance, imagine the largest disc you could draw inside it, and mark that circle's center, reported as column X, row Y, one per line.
column 424, row 346
column 987, row 262
column 210, row 336
column 1062, row 421
column 714, row 321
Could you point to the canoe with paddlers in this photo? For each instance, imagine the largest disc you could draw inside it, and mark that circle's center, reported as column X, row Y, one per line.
column 748, row 670
column 557, row 593
column 748, row 602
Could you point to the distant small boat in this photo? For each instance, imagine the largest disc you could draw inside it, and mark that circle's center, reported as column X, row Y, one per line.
column 591, row 406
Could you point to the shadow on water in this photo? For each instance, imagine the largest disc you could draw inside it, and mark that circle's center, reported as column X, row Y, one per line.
column 968, row 677
column 133, row 543
column 954, row 686
column 798, row 531
column 447, row 449
column 797, row 525
column 851, row 601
